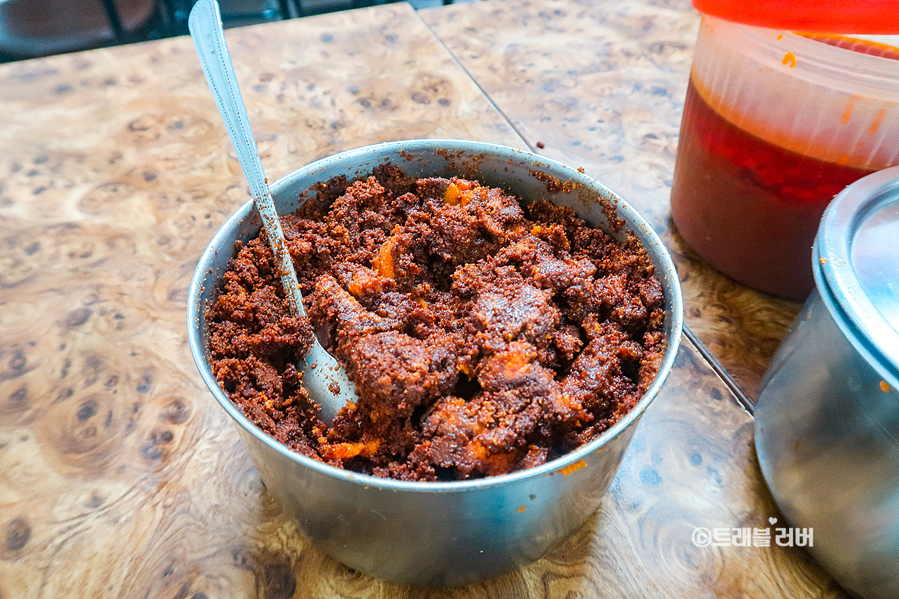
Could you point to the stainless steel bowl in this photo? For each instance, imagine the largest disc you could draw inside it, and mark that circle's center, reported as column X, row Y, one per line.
column 438, row 533
column 827, row 420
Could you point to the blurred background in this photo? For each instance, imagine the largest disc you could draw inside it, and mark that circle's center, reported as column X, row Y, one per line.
column 30, row 28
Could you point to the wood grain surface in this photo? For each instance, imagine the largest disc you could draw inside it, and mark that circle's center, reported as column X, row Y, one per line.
column 601, row 84
column 120, row 476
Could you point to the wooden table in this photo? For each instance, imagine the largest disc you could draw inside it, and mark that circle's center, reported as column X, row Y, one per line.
column 121, row 477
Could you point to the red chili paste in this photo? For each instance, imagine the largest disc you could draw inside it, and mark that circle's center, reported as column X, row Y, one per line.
column 482, row 337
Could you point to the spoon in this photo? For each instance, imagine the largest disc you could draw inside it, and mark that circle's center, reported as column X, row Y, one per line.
column 324, row 379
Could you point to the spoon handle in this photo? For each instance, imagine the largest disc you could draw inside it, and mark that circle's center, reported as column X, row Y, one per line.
column 325, row 380
column 205, row 25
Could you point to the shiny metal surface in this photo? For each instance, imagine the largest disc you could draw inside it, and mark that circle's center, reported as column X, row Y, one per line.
column 827, row 419
column 858, row 246
column 438, row 533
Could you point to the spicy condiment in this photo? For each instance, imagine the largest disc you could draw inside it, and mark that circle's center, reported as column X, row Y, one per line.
column 748, row 191
column 750, row 208
column 483, row 336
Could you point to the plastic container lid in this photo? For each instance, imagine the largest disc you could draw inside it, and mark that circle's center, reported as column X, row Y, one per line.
column 858, row 252
column 824, row 16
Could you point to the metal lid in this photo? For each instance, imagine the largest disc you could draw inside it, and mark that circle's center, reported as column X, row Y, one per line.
column 858, row 253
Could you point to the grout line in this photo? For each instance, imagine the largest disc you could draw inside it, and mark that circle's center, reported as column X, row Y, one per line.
column 742, row 398
column 478, row 85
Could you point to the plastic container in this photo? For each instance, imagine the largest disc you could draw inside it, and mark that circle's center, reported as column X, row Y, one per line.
column 775, row 124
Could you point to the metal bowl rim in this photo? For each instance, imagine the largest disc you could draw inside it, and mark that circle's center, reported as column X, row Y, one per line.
column 833, row 244
column 661, row 260
column 847, row 326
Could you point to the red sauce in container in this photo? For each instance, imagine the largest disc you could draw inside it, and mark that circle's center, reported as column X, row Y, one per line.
column 749, row 207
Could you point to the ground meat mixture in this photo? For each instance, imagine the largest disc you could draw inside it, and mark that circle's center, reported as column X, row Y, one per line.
column 483, row 336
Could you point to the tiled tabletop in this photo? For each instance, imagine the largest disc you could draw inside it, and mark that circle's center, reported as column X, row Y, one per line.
column 121, row 477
